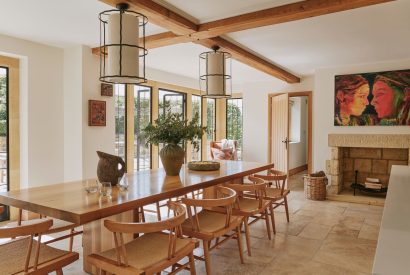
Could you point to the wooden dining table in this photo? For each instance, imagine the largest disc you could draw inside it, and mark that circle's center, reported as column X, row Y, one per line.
column 70, row 202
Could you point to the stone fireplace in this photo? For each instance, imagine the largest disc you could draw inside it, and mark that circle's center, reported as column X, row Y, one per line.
column 372, row 155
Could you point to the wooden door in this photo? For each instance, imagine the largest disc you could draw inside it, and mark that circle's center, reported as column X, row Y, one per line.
column 279, row 132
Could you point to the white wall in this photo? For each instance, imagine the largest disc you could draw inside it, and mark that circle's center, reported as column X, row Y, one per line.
column 298, row 150
column 94, row 137
column 41, row 110
column 73, row 113
column 323, row 108
column 255, row 114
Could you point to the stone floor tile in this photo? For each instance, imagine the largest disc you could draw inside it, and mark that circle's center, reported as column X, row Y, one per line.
column 342, row 251
column 304, row 266
column 315, row 231
column 369, row 232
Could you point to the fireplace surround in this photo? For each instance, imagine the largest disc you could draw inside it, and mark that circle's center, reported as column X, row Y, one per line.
column 371, row 154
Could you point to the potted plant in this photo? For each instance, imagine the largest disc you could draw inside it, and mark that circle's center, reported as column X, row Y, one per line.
column 173, row 130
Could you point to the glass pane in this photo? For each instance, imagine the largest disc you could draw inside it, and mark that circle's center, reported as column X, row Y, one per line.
column 120, row 107
column 210, row 120
column 234, row 129
column 197, row 109
column 169, row 101
column 3, row 130
column 142, row 116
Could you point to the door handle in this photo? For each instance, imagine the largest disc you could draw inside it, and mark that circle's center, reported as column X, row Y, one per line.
column 286, row 141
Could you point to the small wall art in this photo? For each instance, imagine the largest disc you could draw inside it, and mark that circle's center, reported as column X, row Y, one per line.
column 97, row 113
column 373, row 99
column 106, row 89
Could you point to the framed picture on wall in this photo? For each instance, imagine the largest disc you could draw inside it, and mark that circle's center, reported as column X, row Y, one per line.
column 372, row 99
column 106, row 89
column 97, row 113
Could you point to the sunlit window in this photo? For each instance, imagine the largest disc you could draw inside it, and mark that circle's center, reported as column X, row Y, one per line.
column 142, row 116
column 120, row 121
column 197, row 109
column 234, row 116
column 210, row 120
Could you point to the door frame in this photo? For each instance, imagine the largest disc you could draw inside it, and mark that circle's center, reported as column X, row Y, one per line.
column 292, row 94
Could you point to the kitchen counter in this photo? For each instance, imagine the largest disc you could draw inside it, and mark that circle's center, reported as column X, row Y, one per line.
column 393, row 247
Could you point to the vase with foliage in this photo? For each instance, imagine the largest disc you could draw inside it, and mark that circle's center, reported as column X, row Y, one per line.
column 173, row 130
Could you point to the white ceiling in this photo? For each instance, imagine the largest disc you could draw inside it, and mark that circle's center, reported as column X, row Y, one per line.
column 372, row 34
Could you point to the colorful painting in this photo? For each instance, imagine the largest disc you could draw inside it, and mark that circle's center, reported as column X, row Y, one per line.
column 106, row 89
column 96, row 113
column 367, row 99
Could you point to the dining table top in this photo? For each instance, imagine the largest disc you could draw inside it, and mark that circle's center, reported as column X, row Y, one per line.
column 69, row 201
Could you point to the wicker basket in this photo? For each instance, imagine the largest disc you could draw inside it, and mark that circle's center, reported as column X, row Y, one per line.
column 315, row 187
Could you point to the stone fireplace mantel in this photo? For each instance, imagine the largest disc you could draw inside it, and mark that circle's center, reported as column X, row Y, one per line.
column 339, row 144
column 369, row 140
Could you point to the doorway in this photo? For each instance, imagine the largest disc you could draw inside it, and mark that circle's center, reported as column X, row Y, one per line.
column 290, row 131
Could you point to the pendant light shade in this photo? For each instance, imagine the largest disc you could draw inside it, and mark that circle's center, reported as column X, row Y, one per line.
column 215, row 74
column 122, row 46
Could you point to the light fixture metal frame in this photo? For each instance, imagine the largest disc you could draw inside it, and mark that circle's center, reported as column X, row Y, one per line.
column 227, row 58
column 103, row 18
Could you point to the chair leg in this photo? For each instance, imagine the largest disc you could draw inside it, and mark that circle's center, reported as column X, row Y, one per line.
column 238, row 235
column 272, row 217
column 59, row 272
column 159, row 211
column 192, row 263
column 207, row 259
column 70, row 246
column 286, row 207
column 265, row 214
column 248, row 240
column 102, row 272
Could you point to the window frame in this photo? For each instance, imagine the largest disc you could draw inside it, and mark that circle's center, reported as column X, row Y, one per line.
column 226, row 119
column 150, row 116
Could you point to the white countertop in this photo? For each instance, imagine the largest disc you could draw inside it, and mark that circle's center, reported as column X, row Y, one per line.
column 393, row 247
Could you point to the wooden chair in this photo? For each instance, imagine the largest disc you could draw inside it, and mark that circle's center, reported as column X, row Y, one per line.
column 150, row 253
column 58, row 226
column 277, row 191
column 17, row 254
column 251, row 203
column 208, row 225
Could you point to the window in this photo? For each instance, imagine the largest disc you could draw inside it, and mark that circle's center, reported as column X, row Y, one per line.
column 197, row 109
column 4, row 80
column 120, row 121
column 142, row 116
column 234, row 116
column 170, row 101
column 210, row 122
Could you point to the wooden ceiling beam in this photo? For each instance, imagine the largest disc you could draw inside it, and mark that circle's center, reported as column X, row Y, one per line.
column 249, row 59
column 277, row 15
column 159, row 15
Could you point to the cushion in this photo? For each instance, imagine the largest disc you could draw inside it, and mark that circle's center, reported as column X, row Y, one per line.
column 225, row 154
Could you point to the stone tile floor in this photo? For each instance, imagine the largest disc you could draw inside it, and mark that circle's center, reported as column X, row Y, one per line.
column 322, row 237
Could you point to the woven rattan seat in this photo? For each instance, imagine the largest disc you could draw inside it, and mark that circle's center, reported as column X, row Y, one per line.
column 16, row 251
column 148, row 249
column 276, row 193
column 251, row 205
column 211, row 223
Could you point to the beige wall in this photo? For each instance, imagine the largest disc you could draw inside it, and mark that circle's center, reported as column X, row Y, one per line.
column 41, row 110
